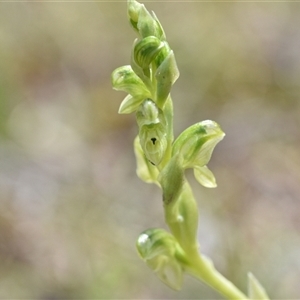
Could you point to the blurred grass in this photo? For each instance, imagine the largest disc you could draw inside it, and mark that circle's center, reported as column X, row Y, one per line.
column 71, row 206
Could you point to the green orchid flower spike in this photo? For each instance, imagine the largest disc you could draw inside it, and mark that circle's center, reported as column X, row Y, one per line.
column 161, row 160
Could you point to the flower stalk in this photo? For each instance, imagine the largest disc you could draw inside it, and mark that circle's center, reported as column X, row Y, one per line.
column 162, row 160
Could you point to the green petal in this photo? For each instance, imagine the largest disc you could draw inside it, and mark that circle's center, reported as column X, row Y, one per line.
column 130, row 104
column 205, row 176
column 196, row 143
column 125, row 79
column 145, row 170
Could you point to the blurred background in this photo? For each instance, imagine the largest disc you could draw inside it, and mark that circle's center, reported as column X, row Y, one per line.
column 71, row 206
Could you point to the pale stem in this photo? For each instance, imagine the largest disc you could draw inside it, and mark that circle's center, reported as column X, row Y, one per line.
column 203, row 269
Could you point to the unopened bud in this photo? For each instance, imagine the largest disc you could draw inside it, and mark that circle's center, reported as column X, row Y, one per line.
column 160, row 250
column 146, row 50
column 145, row 23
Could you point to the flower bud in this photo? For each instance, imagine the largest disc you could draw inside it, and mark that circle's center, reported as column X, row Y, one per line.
column 142, row 21
column 146, row 50
column 160, row 250
column 133, row 10
column 142, row 73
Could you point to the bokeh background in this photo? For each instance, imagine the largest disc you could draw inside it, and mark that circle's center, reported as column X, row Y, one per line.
column 71, row 206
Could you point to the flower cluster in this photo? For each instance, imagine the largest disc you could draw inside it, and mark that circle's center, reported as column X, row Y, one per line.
column 161, row 160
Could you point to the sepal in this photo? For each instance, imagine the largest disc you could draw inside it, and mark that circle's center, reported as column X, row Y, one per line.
column 161, row 252
column 159, row 29
column 166, row 75
column 205, row 176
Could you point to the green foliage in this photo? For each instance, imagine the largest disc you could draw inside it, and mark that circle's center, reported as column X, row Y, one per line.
column 163, row 161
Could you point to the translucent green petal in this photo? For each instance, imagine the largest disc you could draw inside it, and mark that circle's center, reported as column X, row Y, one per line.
column 125, row 79
column 196, row 143
column 205, row 176
column 130, row 104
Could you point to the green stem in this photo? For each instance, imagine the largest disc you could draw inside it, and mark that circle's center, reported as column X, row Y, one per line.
column 203, row 269
column 181, row 215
